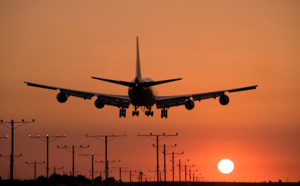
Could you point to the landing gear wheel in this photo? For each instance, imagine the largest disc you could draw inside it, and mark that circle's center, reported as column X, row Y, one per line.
column 135, row 113
column 149, row 112
column 122, row 113
column 164, row 113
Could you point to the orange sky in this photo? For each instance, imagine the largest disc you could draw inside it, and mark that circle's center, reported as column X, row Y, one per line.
column 212, row 45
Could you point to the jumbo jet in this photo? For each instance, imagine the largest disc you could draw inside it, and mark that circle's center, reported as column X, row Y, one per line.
column 142, row 93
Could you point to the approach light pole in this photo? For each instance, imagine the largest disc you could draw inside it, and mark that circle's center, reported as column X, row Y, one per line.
column 179, row 165
column 73, row 152
column 12, row 122
column 185, row 173
column 173, row 162
column 109, row 163
column 47, row 139
column 164, row 136
column 92, row 156
column 106, row 140
column 34, row 165
column 165, row 150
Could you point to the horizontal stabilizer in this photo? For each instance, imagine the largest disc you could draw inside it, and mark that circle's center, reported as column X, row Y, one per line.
column 148, row 84
column 128, row 84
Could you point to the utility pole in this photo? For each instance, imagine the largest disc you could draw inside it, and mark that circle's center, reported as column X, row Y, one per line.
column 105, row 141
column 157, row 146
column 73, row 153
column 47, row 139
column 173, row 162
column 34, row 165
column 92, row 157
column 12, row 122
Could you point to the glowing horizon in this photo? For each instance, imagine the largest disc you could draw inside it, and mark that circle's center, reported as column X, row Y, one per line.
column 211, row 45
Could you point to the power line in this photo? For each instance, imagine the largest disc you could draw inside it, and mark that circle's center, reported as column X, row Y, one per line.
column 73, row 152
column 47, row 139
column 12, row 127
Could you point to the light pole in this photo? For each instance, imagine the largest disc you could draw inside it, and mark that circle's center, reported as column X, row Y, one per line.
column 35, row 164
column 105, row 141
column 73, row 154
column 173, row 162
column 157, row 146
column 12, row 122
column 47, row 139
column 92, row 156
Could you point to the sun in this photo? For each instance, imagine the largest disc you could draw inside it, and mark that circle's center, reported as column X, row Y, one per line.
column 225, row 166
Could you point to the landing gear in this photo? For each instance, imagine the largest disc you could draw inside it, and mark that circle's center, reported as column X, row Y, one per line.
column 122, row 112
column 148, row 112
column 135, row 112
column 164, row 113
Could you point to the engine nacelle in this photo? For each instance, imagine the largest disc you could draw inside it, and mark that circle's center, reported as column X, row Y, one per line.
column 189, row 104
column 224, row 100
column 61, row 97
column 99, row 103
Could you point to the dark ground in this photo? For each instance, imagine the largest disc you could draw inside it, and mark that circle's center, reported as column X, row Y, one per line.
column 33, row 183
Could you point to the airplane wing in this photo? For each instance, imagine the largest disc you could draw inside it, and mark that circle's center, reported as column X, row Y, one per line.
column 108, row 99
column 171, row 101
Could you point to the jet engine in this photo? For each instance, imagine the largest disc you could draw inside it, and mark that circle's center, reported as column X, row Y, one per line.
column 61, row 97
column 224, row 100
column 189, row 104
column 99, row 103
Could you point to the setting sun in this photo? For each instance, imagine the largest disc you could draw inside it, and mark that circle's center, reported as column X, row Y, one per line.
column 225, row 166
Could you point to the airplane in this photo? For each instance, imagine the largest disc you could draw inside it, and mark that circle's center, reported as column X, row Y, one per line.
column 142, row 93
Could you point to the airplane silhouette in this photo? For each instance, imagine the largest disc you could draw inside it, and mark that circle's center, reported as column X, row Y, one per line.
column 142, row 92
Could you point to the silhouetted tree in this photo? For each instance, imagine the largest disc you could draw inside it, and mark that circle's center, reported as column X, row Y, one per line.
column 41, row 180
column 110, row 180
column 98, row 179
column 81, row 179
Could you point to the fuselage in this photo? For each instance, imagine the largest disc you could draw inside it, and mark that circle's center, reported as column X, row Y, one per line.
column 142, row 96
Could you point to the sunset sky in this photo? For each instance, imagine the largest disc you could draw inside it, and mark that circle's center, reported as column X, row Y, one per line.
column 212, row 45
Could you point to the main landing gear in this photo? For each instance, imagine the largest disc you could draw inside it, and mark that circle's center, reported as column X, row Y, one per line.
column 164, row 113
column 122, row 112
column 135, row 112
column 148, row 112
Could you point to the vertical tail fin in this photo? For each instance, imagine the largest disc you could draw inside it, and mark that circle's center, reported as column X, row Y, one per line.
column 138, row 66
